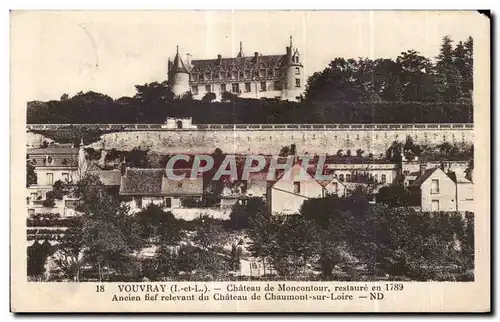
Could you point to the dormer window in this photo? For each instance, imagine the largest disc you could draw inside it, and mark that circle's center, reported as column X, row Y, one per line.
column 262, row 73
column 247, row 73
column 194, row 77
column 235, row 74
column 207, row 76
column 297, row 70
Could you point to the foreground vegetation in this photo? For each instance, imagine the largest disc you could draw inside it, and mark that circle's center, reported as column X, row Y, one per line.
column 331, row 239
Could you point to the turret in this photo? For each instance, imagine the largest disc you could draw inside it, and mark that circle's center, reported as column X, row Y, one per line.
column 178, row 75
column 292, row 74
column 240, row 54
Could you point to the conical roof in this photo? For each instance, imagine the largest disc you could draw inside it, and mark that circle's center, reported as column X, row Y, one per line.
column 178, row 66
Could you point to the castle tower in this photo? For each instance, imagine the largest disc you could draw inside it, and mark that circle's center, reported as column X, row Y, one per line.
column 178, row 75
column 292, row 74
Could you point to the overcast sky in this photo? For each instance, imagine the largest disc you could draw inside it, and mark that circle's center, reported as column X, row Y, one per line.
column 110, row 52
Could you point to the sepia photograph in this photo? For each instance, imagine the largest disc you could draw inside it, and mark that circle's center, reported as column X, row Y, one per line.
column 250, row 146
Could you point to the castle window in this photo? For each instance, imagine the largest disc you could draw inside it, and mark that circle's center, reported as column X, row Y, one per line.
column 296, row 59
column 228, row 74
column 235, row 74
column 247, row 87
column 276, row 72
column 297, row 70
column 297, row 82
column 263, row 86
column 235, row 88
column 262, row 73
column 207, row 76
column 216, row 75
column 201, row 77
column 384, row 178
column 222, row 88
column 49, row 178
column 194, row 89
column 194, row 77
column 247, row 73
column 347, row 178
column 296, row 187
column 208, row 88
column 277, row 85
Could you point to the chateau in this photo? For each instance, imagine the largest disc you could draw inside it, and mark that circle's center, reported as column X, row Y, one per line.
column 256, row 76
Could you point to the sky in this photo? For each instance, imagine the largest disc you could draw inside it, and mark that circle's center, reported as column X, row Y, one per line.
column 57, row 52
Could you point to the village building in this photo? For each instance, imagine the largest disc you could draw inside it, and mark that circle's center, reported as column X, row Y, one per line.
column 436, row 190
column 52, row 164
column 143, row 187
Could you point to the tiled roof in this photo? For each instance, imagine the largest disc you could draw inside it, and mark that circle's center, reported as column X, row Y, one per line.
column 141, row 182
column 238, row 63
column 424, row 177
column 185, row 187
column 458, row 177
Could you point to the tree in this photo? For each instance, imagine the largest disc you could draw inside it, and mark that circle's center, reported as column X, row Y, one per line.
column 228, row 97
column 447, row 74
column 393, row 153
column 470, row 170
column 359, row 153
column 109, row 233
column 416, row 77
column 68, row 253
column 31, row 177
column 209, row 97
column 187, row 96
column 158, row 226
column 36, row 257
column 285, row 151
column 394, row 196
column 137, row 158
column 241, row 214
column 335, row 220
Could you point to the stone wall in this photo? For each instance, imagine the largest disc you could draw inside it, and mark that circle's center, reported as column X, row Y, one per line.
column 270, row 140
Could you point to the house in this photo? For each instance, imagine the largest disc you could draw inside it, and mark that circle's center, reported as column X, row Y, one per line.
column 296, row 185
column 187, row 192
column 434, row 190
column 383, row 173
column 142, row 187
column 51, row 164
column 464, row 191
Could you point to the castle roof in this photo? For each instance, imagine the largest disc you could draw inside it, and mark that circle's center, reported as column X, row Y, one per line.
column 178, row 66
column 237, row 63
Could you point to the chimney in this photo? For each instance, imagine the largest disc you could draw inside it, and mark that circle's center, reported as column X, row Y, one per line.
column 188, row 59
column 219, row 59
column 422, row 168
column 288, row 51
